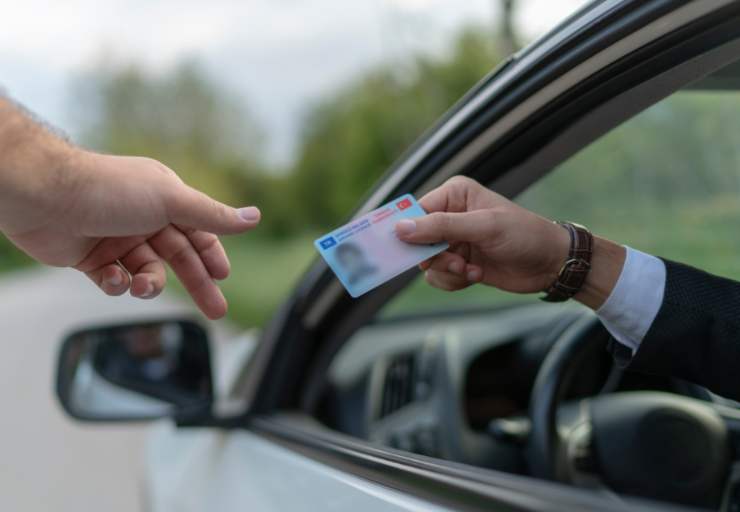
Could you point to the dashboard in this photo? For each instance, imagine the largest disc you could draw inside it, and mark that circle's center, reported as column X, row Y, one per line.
column 437, row 384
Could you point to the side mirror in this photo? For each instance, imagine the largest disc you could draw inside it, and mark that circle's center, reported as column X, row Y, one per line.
column 136, row 372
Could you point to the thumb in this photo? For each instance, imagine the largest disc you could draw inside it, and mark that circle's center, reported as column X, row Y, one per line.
column 446, row 227
column 194, row 209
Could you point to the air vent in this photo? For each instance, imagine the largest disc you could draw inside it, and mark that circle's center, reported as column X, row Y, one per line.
column 398, row 386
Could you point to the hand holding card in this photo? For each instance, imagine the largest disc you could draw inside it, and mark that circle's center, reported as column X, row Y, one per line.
column 367, row 253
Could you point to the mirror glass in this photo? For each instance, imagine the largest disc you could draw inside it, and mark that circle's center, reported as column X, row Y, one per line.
column 135, row 371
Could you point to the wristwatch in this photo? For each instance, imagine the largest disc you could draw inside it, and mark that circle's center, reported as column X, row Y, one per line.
column 574, row 271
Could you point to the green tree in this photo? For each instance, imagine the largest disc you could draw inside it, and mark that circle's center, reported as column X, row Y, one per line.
column 181, row 117
column 352, row 137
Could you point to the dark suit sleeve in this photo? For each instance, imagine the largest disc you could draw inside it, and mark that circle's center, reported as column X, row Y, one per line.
column 696, row 333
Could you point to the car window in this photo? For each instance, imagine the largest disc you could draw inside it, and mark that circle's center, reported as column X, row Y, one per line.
column 451, row 375
column 436, row 373
column 666, row 182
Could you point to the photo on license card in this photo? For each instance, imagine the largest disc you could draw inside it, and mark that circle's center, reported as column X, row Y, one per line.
column 366, row 252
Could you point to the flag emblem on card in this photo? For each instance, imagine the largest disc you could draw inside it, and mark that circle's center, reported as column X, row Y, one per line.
column 328, row 242
column 405, row 203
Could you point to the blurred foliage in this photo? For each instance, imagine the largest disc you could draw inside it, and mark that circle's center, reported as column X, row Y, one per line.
column 352, row 137
column 182, row 118
column 680, row 151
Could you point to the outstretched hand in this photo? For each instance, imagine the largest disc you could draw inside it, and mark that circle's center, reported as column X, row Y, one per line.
column 496, row 242
column 120, row 219
column 492, row 240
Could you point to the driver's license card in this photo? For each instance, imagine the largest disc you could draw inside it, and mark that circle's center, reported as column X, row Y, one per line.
column 366, row 252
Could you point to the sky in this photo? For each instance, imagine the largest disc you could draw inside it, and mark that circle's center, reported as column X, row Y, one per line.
column 279, row 56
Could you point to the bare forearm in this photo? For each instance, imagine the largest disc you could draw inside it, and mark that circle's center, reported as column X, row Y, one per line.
column 33, row 163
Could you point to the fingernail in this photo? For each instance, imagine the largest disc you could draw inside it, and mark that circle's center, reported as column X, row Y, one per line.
column 149, row 290
column 115, row 279
column 405, row 227
column 472, row 276
column 455, row 267
column 249, row 213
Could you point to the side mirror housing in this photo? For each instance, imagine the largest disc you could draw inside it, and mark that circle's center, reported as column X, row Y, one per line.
column 136, row 372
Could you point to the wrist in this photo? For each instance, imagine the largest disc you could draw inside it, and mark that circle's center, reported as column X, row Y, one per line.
column 607, row 261
column 560, row 248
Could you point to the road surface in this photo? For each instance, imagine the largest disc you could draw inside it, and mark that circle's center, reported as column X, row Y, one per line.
column 50, row 462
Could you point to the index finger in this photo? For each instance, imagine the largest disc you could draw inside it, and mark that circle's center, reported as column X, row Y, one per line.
column 449, row 197
column 436, row 200
column 187, row 206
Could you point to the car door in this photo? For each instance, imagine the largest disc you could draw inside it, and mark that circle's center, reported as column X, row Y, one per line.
column 603, row 65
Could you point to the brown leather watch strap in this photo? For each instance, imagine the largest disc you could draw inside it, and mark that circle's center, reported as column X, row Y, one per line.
column 574, row 271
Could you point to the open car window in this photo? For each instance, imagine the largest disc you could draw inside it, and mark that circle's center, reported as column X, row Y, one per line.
column 667, row 182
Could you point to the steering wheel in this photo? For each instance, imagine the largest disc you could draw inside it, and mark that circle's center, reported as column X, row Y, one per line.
column 641, row 443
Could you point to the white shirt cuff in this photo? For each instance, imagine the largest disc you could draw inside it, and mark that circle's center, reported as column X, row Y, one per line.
column 635, row 300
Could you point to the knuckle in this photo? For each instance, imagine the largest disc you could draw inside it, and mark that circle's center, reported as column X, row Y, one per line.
column 201, row 282
column 160, row 167
column 459, row 179
column 175, row 198
column 461, row 183
column 181, row 255
column 218, row 208
column 161, row 171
